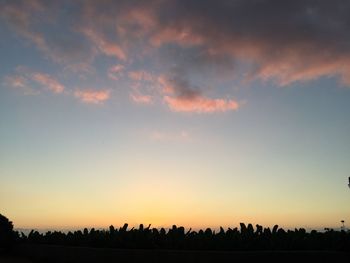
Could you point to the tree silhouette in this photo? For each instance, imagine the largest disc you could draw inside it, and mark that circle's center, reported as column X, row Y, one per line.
column 6, row 232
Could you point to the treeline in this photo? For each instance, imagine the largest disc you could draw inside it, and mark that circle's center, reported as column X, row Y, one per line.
column 245, row 238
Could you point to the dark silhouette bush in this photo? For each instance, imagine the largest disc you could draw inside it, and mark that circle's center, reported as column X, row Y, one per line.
column 247, row 238
column 7, row 236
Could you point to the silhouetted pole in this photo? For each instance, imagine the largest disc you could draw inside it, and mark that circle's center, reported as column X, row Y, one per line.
column 342, row 225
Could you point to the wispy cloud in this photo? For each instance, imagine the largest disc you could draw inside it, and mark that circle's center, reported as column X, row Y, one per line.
column 116, row 72
column 252, row 32
column 200, row 104
column 182, row 97
column 19, row 17
column 140, row 75
column 104, row 45
column 92, row 96
column 31, row 82
column 246, row 40
column 141, row 99
column 182, row 36
column 20, row 83
column 144, row 87
column 48, row 82
column 16, row 81
column 26, row 19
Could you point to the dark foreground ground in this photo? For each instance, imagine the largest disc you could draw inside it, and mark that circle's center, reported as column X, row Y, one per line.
column 49, row 253
column 13, row 259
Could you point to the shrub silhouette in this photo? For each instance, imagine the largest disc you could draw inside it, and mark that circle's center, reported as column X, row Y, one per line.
column 247, row 238
column 7, row 236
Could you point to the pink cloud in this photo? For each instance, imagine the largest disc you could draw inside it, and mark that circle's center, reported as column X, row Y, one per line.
column 259, row 40
column 140, row 75
column 92, row 96
column 20, row 83
column 104, row 45
column 16, row 81
column 200, row 104
column 143, row 87
column 166, row 86
column 141, row 99
column 26, row 18
column 267, row 56
column 116, row 71
column 48, row 81
column 180, row 96
column 182, row 36
column 136, row 21
column 291, row 69
column 19, row 17
column 27, row 80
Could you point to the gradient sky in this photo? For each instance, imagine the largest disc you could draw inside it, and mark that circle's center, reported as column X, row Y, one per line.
column 195, row 113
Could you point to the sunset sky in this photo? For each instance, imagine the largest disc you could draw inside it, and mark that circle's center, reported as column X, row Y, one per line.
column 196, row 113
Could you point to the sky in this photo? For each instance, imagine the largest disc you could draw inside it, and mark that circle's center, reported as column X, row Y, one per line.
column 194, row 113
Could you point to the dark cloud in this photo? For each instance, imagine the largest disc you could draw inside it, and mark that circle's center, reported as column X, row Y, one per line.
column 282, row 41
column 181, row 96
column 181, row 87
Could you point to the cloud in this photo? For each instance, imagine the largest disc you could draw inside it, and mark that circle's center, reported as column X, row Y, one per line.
column 144, row 86
column 141, row 99
column 16, row 81
column 116, row 71
column 180, row 96
column 210, row 34
column 200, row 104
column 92, row 96
column 104, row 45
column 176, row 92
column 182, row 36
column 20, row 19
column 178, row 85
column 279, row 42
column 49, row 82
column 253, row 33
column 27, row 19
column 284, row 42
column 27, row 81
column 20, row 83
column 140, row 75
